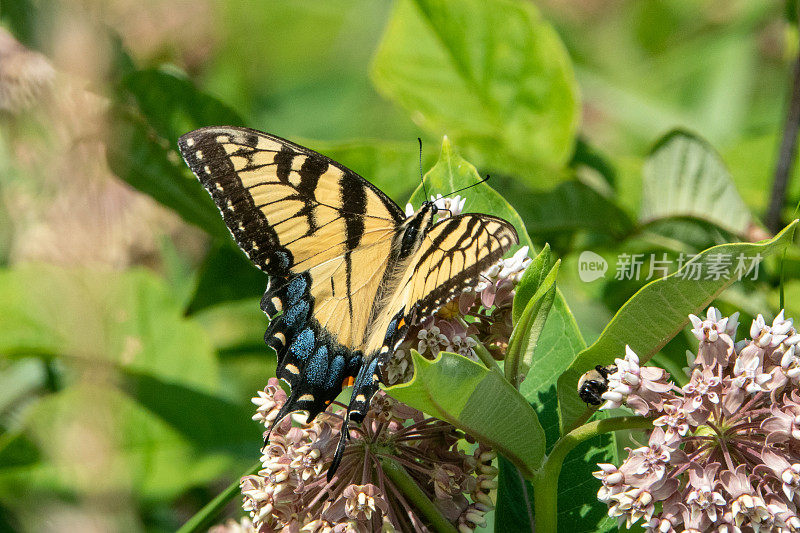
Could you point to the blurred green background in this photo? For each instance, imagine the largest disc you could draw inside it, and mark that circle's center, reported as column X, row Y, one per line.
column 130, row 335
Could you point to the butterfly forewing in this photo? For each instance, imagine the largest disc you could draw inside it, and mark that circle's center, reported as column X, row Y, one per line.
column 286, row 206
column 451, row 257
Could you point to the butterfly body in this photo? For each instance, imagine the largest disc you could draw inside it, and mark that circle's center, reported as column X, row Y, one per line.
column 348, row 270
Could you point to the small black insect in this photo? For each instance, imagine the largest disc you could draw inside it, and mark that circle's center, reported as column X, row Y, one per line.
column 594, row 383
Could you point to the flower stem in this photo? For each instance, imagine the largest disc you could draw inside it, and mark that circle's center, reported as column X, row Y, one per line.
column 545, row 480
column 485, row 357
column 203, row 518
column 786, row 155
column 415, row 495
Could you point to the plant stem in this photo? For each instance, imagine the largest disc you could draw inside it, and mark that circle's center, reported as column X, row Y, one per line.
column 203, row 518
column 411, row 490
column 485, row 357
column 545, row 480
column 786, row 155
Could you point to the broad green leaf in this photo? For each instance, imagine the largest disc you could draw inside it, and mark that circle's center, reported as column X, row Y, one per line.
column 685, row 177
column 127, row 320
column 148, row 390
column 657, row 312
column 154, row 109
column 19, row 379
column 211, row 423
column 589, row 157
column 148, row 163
column 751, row 163
column 94, row 439
column 172, row 105
column 570, row 207
column 226, row 275
column 478, row 401
column 530, row 282
column 24, row 18
column 522, row 344
column 514, row 511
column 578, row 508
column 234, row 324
column 509, row 97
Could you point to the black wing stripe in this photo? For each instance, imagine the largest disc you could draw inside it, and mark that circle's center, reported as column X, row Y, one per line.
column 391, row 207
column 473, row 238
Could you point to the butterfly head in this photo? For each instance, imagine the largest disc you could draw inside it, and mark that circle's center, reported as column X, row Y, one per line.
column 427, row 215
column 431, row 206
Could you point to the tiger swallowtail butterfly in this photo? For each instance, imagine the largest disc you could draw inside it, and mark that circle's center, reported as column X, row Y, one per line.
column 348, row 270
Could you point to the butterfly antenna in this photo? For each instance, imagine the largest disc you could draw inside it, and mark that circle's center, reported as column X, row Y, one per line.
column 469, row 186
column 421, row 178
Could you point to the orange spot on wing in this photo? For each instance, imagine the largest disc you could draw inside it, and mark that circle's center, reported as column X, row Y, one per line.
column 349, row 380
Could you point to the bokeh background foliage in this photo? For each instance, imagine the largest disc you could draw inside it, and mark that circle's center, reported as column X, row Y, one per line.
column 130, row 335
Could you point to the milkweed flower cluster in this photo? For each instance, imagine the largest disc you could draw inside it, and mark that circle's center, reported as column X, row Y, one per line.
column 291, row 493
column 724, row 451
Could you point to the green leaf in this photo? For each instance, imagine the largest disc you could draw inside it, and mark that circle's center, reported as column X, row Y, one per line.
column 452, row 172
column 514, row 511
column 210, row 423
column 578, row 509
column 148, row 163
column 94, row 438
column 172, row 105
column 154, row 109
column 226, row 275
column 508, row 96
column 236, row 324
column 125, row 320
column 655, row 314
column 148, row 397
column 685, row 177
column 478, row 401
column 522, row 344
column 530, row 282
column 570, row 207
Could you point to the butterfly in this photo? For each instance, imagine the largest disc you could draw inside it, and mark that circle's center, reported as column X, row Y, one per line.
column 348, row 270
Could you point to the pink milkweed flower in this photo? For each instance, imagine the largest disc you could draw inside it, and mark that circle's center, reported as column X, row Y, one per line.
column 638, row 388
column 291, row 492
column 724, row 451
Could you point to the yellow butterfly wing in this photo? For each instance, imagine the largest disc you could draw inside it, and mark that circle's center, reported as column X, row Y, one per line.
column 308, row 222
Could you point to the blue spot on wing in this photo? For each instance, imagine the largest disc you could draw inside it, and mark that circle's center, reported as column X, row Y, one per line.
column 318, row 367
column 335, row 373
column 295, row 290
column 302, row 345
column 296, row 314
